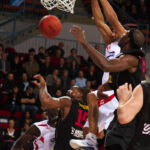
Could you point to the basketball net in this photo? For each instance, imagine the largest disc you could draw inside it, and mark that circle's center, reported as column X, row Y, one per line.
column 64, row 5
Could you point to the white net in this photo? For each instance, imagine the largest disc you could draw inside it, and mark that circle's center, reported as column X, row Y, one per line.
column 49, row 4
column 64, row 5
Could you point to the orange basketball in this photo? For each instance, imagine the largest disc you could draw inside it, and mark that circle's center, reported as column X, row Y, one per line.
column 50, row 26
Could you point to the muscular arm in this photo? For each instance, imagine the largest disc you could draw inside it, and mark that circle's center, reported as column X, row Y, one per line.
column 25, row 140
column 99, row 20
column 50, row 102
column 112, row 18
column 113, row 65
column 128, row 110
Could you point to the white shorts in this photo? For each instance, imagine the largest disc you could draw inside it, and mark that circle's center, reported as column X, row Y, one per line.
column 106, row 110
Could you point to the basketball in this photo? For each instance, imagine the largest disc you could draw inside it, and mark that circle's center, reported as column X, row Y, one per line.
column 50, row 26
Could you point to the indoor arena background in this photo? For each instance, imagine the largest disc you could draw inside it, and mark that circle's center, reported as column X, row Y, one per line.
column 19, row 37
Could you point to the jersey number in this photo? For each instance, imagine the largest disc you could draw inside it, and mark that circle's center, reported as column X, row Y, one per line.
column 81, row 117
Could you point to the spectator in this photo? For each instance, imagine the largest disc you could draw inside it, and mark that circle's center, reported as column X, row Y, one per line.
column 56, row 86
column 9, row 84
column 27, row 118
column 88, row 85
column 24, row 83
column 73, row 56
column 52, row 50
column 55, row 61
column 44, row 115
column 1, row 50
column 92, row 76
column 80, row 80
column 73, row 69
column 72, row 83
column 28, row 101
column 32, row 52
column 14, row 100
column 61, row 66
column 65, row 80
column 16, row 67
column 24, row 129
column 51, row 78
column 31, row 66
column 9, row 135
column 46, row 68
column 41, row 56
column 4, row 65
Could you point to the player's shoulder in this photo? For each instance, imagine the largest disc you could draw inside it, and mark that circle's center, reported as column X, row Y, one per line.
column 43, row 123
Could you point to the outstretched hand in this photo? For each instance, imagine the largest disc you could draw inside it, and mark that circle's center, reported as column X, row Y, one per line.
column 78, row 33
column 124, row 93
column 41, row 84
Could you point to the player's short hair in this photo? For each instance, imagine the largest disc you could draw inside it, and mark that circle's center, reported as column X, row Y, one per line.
column 137, row 38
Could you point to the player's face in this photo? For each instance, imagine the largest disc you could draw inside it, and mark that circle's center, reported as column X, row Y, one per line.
column 74, row 93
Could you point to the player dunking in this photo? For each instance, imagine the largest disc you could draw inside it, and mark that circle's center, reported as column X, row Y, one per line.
column 41, row 134
column 112, row 50
column 73, row 113
column 125, row 68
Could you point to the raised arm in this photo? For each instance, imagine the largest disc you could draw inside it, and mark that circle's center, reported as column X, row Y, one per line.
column 46, row 99
column 112, row 18
column 26, row 139
column 114, row 65
column 130, row 103
column 99, row 20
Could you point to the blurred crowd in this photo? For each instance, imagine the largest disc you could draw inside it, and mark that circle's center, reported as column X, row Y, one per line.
column 139, row 10
column 19, row 94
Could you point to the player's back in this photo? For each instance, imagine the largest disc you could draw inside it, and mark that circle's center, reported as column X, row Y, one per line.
column 46, row 140
column 141, row 139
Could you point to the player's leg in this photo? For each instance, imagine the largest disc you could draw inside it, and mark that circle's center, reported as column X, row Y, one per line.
column 112, row 18
column 99, row 20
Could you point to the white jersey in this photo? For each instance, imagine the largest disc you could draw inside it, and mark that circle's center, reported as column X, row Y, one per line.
column 112, row 50
column 106, row 110
column 46, row 140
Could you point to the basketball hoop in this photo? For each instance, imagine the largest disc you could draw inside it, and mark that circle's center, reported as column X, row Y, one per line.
column 64, row 5
column 49, row 4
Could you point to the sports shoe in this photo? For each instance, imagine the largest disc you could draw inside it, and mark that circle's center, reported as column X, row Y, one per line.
column 90, row 143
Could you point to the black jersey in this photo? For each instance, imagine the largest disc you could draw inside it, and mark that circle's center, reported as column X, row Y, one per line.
column 71, row 126
column 141, row 139
column 119, row 136
column 117, row 79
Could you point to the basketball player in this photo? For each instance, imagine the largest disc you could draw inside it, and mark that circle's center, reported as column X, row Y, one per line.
column 41, row 134
column 112, row 50
column 135, row 106
column 106, row 107
column 73, row 113
column 125, row 68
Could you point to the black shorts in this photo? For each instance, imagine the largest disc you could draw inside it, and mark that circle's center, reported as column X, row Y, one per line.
column 119, row 136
